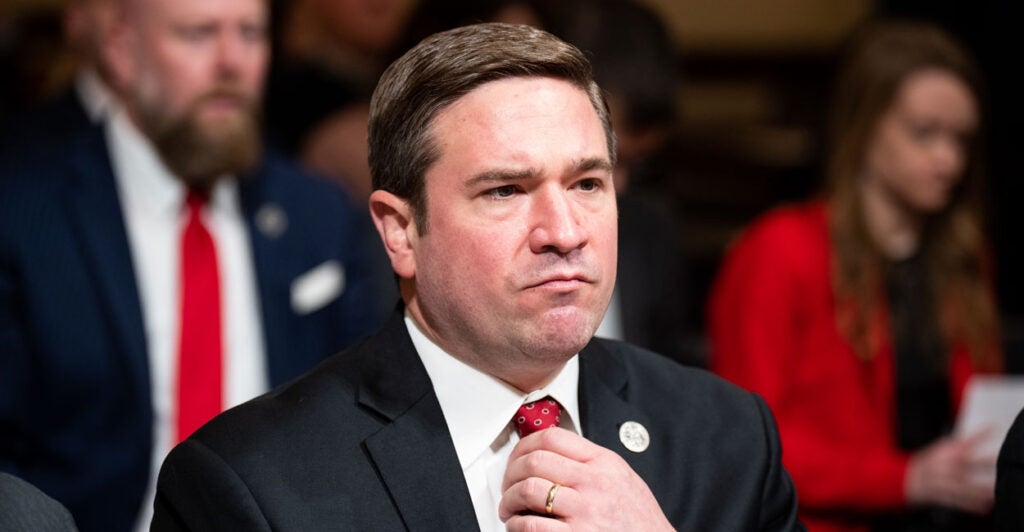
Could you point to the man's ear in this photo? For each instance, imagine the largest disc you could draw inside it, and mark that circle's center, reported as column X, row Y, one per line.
column 116, row 53
column 393, row 217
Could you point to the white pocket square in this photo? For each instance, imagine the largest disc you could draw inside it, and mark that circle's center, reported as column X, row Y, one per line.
column 318, row 287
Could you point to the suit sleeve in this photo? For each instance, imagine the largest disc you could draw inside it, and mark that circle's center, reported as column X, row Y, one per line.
column 779, row 499
column 198, row 490
column 1009, row 513
column 757, row 321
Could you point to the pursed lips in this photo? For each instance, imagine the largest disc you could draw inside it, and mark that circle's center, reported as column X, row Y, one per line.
column 561, row 281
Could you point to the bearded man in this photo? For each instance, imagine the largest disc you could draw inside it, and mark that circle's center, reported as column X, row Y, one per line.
column 161, row 266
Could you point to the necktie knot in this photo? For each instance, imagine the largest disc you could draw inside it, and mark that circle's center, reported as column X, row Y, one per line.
column 538, row 415
column 194, row 200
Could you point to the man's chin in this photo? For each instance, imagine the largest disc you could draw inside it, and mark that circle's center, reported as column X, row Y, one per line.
column 566, row 329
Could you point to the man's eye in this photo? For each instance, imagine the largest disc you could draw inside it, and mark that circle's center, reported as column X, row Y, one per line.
column 254, row 33
column 589, row 185
column 196, row 33
column 502, row 192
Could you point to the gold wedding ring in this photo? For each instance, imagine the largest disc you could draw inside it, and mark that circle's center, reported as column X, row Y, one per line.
column 549, row 505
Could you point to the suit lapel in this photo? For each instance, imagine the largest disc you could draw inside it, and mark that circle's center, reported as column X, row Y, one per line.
column 603, row 408
column 270, row 261
column 95, row 214
column 414, row 451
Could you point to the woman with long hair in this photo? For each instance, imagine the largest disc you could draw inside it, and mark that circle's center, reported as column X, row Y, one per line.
column 860, row 316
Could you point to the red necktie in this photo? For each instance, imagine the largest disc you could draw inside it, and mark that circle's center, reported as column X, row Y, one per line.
column 199, row 353
column 538, row 415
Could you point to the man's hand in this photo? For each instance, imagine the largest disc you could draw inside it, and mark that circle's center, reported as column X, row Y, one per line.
column 945, row 474
column 597, row 490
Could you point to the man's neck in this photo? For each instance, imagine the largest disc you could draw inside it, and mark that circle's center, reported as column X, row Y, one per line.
column 523, row 377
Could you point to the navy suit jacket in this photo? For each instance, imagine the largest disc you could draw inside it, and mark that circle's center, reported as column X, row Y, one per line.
column 361, row 443
column 76, row 418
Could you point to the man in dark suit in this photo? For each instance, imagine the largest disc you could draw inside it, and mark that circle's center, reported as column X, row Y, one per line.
column 94, row 270
column 492, row 157
column 1008, row 513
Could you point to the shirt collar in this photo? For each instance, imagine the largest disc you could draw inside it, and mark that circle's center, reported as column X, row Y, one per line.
column 94, row 94
column 479, row 407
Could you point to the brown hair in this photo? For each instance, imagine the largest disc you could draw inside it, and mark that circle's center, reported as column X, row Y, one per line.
column 441, row 69
column 879, row 60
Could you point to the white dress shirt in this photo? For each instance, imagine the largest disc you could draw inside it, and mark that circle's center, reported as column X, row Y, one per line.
column 478, row 409
column 152, row 202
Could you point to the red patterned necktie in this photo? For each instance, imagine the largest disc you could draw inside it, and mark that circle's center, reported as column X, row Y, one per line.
column 199, row 352
column 538, row 415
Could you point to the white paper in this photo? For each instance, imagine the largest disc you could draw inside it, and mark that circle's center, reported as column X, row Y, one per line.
column 990, row 403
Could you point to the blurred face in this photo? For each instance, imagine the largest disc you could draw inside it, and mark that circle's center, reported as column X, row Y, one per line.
column 371, row 26
column 193, row 76
column 518, row 263
column 919, row 150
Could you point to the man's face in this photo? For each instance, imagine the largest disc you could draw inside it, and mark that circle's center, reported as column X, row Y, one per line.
column 194, row 80
column 518, row 262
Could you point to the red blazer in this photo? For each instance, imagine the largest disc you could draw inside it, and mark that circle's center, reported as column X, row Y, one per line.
column 772, row 326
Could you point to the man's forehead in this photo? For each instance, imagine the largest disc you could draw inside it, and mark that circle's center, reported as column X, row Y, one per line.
column 499, row 100
column 175, row 10
column 493, row 128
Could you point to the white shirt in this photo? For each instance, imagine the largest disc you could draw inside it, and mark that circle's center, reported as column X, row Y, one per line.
column 478, row 409
column 152, row 202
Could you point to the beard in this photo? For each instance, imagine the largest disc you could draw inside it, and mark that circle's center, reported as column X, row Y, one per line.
column 198, row 152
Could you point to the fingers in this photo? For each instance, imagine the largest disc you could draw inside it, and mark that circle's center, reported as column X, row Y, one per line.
column 535, row 523
column 978, row 437
column 531, row 496
column 560, row 441
column 944, row 474
column 972, row 498
column 597, row 488
column 543, row 464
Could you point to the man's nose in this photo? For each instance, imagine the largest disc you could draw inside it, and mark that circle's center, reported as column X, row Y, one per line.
column 232, row 52
column 557, row 223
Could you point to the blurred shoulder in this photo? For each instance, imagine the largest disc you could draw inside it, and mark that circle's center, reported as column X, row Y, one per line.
column 790, row 225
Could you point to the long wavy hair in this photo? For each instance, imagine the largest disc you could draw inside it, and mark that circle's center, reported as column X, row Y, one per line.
column 879, row 59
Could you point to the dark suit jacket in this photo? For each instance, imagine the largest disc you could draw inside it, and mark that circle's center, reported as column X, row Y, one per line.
column 75, row 411
column 1009, row 509
column 23, row 508
column 361, row 443
column 46, row 128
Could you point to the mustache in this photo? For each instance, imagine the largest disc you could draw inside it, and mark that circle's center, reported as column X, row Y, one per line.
column 226, row 92
column 561, row 268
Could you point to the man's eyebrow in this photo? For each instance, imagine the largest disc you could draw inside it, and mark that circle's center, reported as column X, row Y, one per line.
column 502, row 176
column 507, row 175
column 591, row 164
